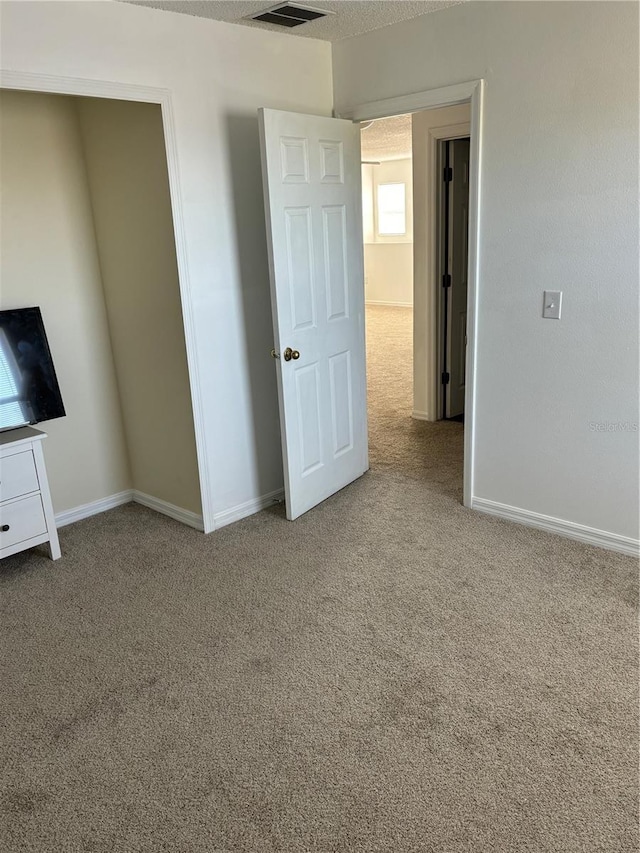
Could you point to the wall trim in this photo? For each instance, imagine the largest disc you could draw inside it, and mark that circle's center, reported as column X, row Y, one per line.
column 389, row 304
column 89, row 87
column 421, row 416
column 191, row 519
column 569, row 529
column 446, row 96
column 235, row 513
column 77, row 513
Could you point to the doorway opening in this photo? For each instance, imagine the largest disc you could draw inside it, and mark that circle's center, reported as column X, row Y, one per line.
column 89, row 176
column 387, row 205
column 415, row 179
column 311, row 183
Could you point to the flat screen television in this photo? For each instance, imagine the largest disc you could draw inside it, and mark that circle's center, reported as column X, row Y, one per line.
column 29, row 390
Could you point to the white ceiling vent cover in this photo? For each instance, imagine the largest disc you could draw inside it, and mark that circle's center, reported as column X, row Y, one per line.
column 289, row 15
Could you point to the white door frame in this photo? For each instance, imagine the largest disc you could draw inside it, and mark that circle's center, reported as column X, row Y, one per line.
column 81, row 86
column 447, row 96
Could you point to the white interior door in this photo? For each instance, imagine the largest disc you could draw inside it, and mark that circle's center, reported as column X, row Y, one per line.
column 458, row 261
column 313, row 203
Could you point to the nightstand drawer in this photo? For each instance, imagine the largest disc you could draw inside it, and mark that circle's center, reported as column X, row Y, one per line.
column 18, row 475
column 22, row 519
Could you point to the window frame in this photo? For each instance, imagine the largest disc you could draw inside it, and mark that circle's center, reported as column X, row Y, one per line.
column 388, row 212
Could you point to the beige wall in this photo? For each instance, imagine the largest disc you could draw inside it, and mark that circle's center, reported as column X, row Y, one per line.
column 127, row 170
column 48, row 258
column 86, row 220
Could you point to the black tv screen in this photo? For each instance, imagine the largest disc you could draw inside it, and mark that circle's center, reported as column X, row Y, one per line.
column 29, row 390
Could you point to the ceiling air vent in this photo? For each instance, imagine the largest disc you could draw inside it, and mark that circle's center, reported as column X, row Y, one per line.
column 289, row 15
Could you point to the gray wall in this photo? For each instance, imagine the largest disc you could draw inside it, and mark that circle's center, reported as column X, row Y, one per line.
column 559, row 211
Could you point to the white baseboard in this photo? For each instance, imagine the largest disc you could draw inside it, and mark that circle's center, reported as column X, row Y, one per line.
column 187, row 517
column 579, row 532
column 95, row 507
column 68, row 516
column 228, row 516
column 389, row 304
column 192, row 519
column 421, row 416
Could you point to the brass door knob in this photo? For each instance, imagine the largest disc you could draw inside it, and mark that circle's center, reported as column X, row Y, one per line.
column 291, row 354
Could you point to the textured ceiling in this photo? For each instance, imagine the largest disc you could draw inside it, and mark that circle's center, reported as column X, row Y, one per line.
column 351, row 17
column 387, row 139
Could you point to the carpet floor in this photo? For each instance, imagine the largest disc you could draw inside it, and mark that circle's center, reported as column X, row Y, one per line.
column 391, row 672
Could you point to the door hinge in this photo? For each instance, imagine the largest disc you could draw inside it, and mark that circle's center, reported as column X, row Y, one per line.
column 447, row 174
column 445, row 378
column 446, row 280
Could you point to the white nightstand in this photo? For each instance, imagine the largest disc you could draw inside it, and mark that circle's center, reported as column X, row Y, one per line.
column 26, row 512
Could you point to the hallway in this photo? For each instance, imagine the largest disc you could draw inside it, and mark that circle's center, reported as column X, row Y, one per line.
column 399, row 445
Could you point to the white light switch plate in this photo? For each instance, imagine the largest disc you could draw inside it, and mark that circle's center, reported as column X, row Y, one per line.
column 552, row 304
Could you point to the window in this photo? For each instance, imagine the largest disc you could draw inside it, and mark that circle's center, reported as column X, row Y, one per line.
column 392, row 217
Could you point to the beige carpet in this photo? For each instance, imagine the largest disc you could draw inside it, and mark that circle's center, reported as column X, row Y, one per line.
column 389, row 673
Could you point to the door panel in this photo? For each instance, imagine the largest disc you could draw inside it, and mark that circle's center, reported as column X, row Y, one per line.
column 294, row 154
column 334, row 222
column 300, row 266
column 332, row 162
column 311, row 175
column 307, row 385
column 341, row 403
